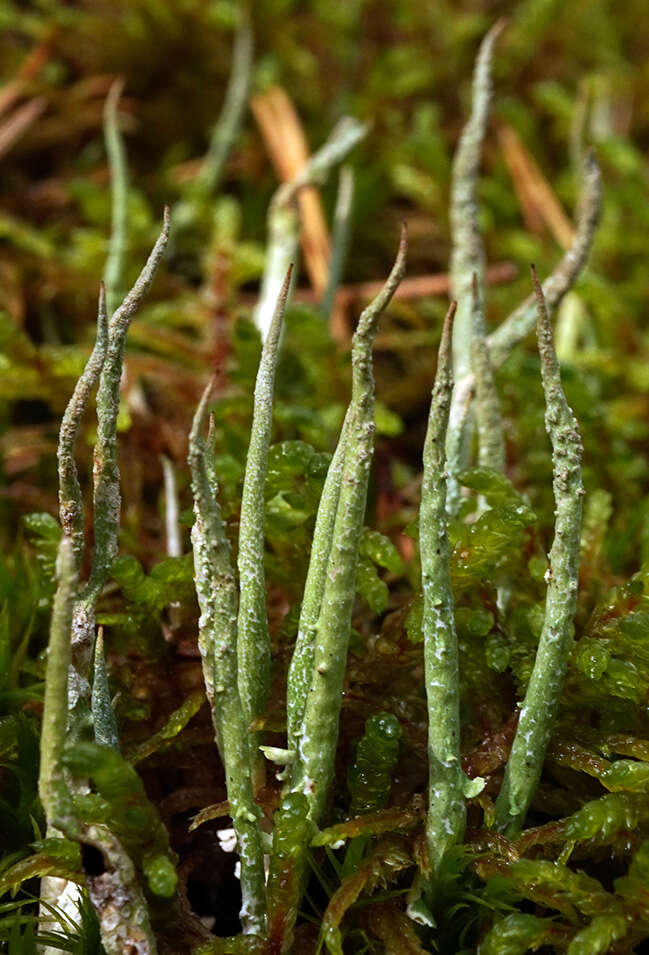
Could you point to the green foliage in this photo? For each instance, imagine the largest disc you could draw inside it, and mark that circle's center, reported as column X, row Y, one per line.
column 370, row 776
column 516, row 934
column 121, row 802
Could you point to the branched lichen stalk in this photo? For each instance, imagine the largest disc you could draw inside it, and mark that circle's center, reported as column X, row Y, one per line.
column 318, row 740
column 253, row 640
column 340, row 235
column 446, row 809
column 541, row 702
column 467, row 254
column 106, row 499
column 283, row 218
column 228, row 124
column 106, row 489
column 491, row 433
column 521, row 321
column 117, row 246
column 70, row 497
column 217, row 641
column 300, row 672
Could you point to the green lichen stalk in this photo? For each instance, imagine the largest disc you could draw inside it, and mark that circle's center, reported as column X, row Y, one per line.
column 491, row 433
column 70, row 497
column 541, row 702
column 253, row 640
column 301, row 667
column 340, row 235
column 217, row 599
column 117, row 246
column 283, row 218
column 51, row 784
column 228, row 125
column 116, row 893
column 523, row 319
column 467, row 255
column 446, row 810
column 318, row 739
column 106, row 499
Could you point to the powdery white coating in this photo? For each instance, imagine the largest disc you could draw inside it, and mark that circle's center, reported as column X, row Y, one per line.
column 467, row 253
column 446, row 816
column 106, row 498
column 118, row 900
column 541, row 702
column 70, row 498
column 301, row 666
column 313, row 769
column 217, row 599
column 253, row 640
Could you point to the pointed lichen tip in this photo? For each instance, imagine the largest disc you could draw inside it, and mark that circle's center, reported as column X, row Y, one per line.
column 497, row 28
column 113, row 96
column 447, row 333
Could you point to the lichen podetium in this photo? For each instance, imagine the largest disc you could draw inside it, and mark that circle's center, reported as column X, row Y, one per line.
column 312, row 770
column 539, row 708
column 446, row 810
column 217, row 642
column 253, row 640
column 467, row 257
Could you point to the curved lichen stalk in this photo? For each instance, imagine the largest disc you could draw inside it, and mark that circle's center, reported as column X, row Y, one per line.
column 106, row 497
column 467, row 254
column 523, row 319
column 227, row 127
column 117, row 246
column 253, row 640
column 70, row 497
column 541, row 702
column 314, row 762
column 283, row 217
column 217, row 642
column 446, row 810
